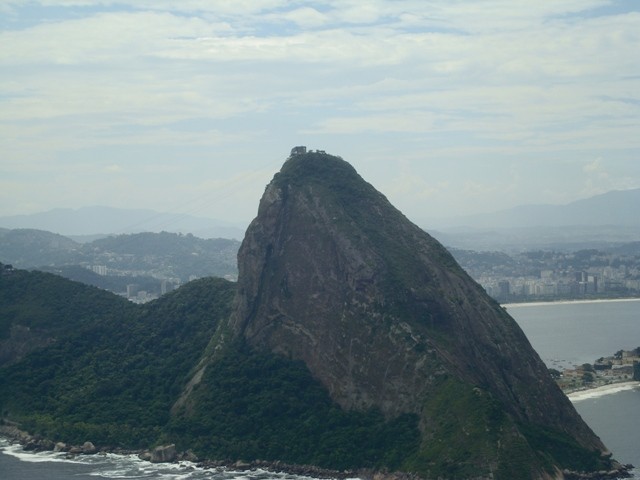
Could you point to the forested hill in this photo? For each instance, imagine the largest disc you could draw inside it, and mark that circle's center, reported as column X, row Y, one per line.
column 79, row 363
column 163, row 255
column 39, row 309
column 352, row 340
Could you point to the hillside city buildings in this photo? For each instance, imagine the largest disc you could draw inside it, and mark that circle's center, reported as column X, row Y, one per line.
column 559, row 276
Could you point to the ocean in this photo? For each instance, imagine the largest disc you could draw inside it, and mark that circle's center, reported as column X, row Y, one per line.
column 566, row 334
column 563, row 334
column 573, row 333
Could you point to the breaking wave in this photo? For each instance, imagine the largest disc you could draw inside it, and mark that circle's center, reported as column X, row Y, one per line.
column 113, row 467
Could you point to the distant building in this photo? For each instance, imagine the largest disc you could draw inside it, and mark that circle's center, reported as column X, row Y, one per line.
column 132, row 290
column 300, row 150
column 545, row 289
column 504, row 288
column 100, row 269
column 165, row 286
column 5, row 269
column 546, row 274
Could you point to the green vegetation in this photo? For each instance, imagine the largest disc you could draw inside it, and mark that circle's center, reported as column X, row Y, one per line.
column 113, row 283
column 42, row 302
column 167, row 254
column 142, row 258
column 98, row 368
column 463, row 428
column 105, row 370
column 110, row 372
column 561, row 449
column 258, row 405
column 467, row 429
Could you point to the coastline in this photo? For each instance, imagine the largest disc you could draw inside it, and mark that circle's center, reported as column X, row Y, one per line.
column 32, row 444
column 602, row 390
column 257, row 469
column 569, row 302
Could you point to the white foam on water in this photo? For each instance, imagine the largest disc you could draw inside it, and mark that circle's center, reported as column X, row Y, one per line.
column 130, row 466
column 113, row 466
column 15, row 450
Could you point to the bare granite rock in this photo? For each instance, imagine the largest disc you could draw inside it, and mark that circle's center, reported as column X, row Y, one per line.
column 164, row 454
column 330, row 273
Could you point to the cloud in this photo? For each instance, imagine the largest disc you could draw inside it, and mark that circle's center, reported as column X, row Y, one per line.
column 305, row 17
column 459, row 81
column 597, row 179
column 593, row 167
column 415, row 188
column 113, row 169
column 101, row 38
column 600, row 176
column 409, row 121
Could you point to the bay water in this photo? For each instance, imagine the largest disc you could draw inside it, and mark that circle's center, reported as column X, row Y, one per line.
column 564, row 334
column 567, row 334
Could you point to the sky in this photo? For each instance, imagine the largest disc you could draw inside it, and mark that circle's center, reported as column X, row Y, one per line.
column 448, row 107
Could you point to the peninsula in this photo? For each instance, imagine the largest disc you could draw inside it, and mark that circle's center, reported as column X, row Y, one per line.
column 621, row 367
column 352, row 340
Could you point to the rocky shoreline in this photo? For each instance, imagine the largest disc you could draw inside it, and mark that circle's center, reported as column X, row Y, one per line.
column 169, row 454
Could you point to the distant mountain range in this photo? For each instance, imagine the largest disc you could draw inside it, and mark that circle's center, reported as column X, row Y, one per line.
column 614, row 208
column 601, row 221
column 351, row 341
column 93, row 221
column 140, row 258
column 596, row 222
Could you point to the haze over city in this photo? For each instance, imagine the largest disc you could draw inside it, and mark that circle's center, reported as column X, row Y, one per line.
column 448, row 108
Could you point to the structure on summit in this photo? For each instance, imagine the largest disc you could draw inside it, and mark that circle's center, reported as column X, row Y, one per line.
column 333, row 278
column 352, row 340
column 300, row 150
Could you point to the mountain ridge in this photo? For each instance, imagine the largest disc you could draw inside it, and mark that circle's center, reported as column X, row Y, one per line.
column 79, row 363
column 127, row 258
column 102, row 220
column 331, row 274
column 352, row 340
column 612, row 208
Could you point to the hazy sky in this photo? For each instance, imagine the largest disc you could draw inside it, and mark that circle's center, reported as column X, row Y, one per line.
column 448, row 106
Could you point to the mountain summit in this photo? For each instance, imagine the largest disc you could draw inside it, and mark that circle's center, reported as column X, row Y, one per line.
column 332, row 276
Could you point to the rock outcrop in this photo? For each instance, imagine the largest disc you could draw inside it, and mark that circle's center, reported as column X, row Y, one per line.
column 164, row 454
column 330, row 273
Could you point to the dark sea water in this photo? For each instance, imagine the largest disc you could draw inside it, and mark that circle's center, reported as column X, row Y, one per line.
column 568, row 334
column 616, row 420
column 563, row 334
column 573, row 333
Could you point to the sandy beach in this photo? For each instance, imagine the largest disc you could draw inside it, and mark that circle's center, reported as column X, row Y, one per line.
column 601, row 391
column 569, row 302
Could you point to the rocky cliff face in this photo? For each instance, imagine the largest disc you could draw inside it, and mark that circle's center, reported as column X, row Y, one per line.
column 332, row 274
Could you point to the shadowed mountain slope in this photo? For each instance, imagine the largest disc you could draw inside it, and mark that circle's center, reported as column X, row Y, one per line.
column 332, row 275
column 352, row 340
